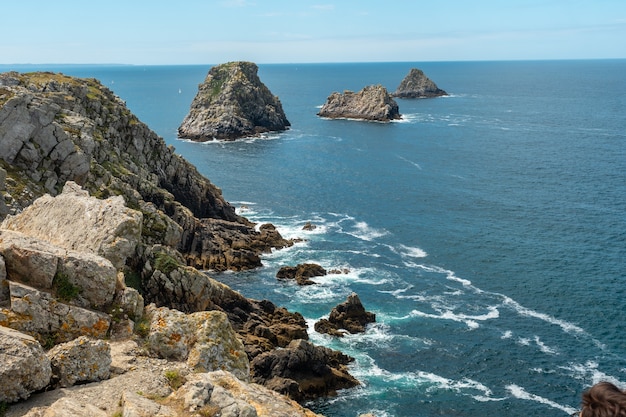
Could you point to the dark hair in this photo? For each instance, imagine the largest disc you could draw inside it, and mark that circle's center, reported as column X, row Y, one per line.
column 604, row 400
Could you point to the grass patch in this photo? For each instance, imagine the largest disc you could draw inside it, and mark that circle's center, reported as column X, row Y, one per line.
column 174, row 378
column 4, row 407
column 65, row 290
column 165, row 263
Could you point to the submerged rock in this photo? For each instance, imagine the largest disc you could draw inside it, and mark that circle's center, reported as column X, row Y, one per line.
column 371, row 103
column 417, row 85
column 301, row 273
column 231, row 103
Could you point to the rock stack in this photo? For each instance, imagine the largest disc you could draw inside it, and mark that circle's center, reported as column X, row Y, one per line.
column 232, row 103
column 372, row 103
column 417, row 85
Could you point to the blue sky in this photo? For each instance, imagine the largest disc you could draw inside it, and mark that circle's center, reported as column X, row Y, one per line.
column 293, row 31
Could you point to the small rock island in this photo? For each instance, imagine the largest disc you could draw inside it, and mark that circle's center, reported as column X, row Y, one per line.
column 232, row 103
column 417, row 85
column 372, row 103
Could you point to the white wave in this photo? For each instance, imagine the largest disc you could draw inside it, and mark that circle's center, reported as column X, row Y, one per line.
column 470, row 320
column 567, row 327
column 412, row 252
column 589, row 372
column 415, row 164
column 519, row 392
column 545, row 348
column 507, row 335
column 364, row 231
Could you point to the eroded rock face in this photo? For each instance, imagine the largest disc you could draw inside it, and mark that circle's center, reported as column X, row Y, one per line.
column 206, row 340
column 417, row 85
column 371, row 103
column 303, row 370
column 80, row 360
column 24, row 367
column 231, row 103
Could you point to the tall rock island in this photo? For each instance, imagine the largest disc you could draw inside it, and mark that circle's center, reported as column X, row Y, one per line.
column 232, row 103
column 372, row 103
column 417, row 85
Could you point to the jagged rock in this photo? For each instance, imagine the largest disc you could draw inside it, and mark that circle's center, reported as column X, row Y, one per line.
column 417, row 85
column 301, row 273
column 38, row 313
column 206, row 340
column 4, row 285
column 231, row 103
column 55, row 128
column 80, row 360
column 371, row 103
column 134, row 405
column 130, row 303
column 24, row 367
column 42, row 265
column 303, row 370
column 349, row 315
column 309, row 226
column 75, row 221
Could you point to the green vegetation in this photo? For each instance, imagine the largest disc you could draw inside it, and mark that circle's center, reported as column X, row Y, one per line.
column 65, row 290
column 4, row 407
column 142, row 327
column 165, row 263
column 174, row 378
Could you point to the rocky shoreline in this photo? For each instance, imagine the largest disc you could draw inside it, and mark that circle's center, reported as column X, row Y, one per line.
column 105, row 235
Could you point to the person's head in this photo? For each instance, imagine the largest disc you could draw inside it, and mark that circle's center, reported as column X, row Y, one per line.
column 604, row 400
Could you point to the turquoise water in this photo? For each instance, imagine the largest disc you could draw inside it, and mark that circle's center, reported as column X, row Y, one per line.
column 486, row 230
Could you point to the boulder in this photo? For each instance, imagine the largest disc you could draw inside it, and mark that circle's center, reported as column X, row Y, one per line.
column 75, row 221
column 80, row 360
column 69, row 407
column 349, row 315
column 24, row 367
column 231, row 103
column 40, row 314
column 417, row 85
column 206, row 340
column 301, row 273
column 371, row 103
column 303, row 370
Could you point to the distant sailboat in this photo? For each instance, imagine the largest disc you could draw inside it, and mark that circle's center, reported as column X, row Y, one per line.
column 180, row 91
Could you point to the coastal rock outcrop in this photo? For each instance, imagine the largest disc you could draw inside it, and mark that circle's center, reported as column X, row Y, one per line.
column 24, row 367
column 231, row 103
column 417, row 85
column 301, row 273
column 80, row 360
column 371, row 103
column 348, row 316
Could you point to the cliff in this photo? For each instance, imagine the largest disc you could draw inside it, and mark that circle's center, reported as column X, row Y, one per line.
column 417, row 85
column 101, row 218
column 371, row 103
column 231, row 103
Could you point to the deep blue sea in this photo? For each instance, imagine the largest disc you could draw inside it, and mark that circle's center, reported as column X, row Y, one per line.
column 486, row 230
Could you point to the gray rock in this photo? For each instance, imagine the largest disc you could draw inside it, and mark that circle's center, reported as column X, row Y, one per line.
column 231, row 103
column 24, row 367
column 371, row 103
column 417, row 85
column 68, row 407
column 80, row 360
column 40, row 314
column 134, row 405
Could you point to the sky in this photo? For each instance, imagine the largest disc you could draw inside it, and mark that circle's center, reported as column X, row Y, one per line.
column 159, row 32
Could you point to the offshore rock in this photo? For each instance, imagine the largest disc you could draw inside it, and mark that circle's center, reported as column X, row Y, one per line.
column 80, row 360
column 371, row 103
column 301, row 273
column 231, row 103
column 417, row 85
column 24, row 367
column 349, row 315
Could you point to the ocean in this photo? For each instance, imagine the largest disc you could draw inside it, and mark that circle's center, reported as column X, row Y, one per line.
column 486, row 230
